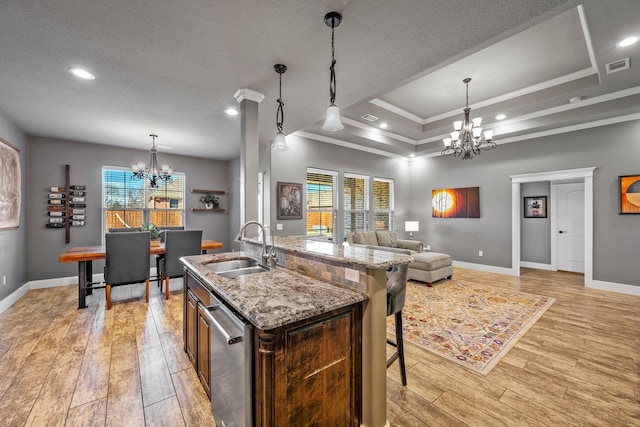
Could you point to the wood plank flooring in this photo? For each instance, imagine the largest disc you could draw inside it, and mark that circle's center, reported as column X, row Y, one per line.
column 579, row 365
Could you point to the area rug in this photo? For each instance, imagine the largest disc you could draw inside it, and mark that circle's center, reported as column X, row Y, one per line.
column 470, row 324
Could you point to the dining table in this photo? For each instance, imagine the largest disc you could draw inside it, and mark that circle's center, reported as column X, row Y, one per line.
column 85, row 255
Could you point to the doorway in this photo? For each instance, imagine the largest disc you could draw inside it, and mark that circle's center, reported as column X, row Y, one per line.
column 583, row 175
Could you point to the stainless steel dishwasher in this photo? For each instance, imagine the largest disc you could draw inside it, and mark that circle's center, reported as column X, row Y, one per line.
column 231, row 366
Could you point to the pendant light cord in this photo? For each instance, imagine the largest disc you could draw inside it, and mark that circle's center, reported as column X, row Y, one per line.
column 280, row 111
column 332, row 79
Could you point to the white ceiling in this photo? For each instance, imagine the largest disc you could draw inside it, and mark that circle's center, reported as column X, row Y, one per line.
column 172, row 68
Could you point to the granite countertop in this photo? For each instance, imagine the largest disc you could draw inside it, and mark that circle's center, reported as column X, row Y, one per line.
column 274, row 298
column 354, row 255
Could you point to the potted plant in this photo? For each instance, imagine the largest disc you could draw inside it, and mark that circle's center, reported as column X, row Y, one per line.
column 154, row 231
column 210, row 201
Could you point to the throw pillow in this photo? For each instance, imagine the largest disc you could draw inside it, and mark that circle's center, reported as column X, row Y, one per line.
column 387, row 238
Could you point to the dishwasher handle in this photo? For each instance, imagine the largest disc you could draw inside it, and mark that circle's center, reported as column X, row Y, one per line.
column 208, row 311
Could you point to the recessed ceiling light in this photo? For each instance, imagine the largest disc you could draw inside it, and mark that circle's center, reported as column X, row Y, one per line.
column 627, row 42
column 384, row 125
column 83, row 74
column 231, row 111
column 412, row 155
column 575, row 99
column 501, row 117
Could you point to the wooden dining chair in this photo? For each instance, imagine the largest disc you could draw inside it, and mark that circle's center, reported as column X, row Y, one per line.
column 127, row 260
column 177, row 243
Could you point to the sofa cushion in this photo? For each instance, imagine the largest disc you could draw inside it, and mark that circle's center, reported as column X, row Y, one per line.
column 430, row 261
column 365, row 238
column 387, row 238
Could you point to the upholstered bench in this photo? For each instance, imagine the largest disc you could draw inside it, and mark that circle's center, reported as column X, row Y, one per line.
column 430, row 267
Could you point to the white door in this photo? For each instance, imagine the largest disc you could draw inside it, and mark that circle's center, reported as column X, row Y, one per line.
column 570, row 227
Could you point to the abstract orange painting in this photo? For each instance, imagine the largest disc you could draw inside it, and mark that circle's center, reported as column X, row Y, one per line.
column 455, row 202
column 630, row 194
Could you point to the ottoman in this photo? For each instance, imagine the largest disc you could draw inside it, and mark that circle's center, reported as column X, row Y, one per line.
column 430, row 267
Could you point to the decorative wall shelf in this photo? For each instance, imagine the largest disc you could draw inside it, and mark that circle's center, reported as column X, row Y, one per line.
column 195, row 190
column 216, row 192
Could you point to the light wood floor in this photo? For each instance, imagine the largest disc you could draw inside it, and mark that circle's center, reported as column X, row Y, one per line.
column 578, row 365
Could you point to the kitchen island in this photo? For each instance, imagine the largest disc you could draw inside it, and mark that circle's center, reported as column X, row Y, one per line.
column 321, row 309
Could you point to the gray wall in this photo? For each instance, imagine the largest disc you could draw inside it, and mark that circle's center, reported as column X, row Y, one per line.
column 535, row 236
column 47, row 158
column 13, row 243
column 613, row 149
column 291, row 166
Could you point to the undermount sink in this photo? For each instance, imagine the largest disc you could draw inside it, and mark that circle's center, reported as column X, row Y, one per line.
column 232, row 264
column 236, row 267
column 230, row 274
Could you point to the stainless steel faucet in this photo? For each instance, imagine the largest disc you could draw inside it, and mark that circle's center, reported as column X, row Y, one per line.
column 265, row 254
column 271, row 252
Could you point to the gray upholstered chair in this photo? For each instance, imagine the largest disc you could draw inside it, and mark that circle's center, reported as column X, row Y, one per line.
column 163, row 229
column 159, row 257
column 127, row 260
column 396, row 292
column 177, row 244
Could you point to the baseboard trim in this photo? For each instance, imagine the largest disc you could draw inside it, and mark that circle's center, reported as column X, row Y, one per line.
column 13, row 297
column 52, row 283
column 614, row 287
column 536, row 265
column 484, row 267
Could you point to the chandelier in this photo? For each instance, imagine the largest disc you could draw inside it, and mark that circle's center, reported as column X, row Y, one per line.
column 466, row 139
column 280, row 141
column 140, row 171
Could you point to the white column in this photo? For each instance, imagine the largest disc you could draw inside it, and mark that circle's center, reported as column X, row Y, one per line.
column 249, row 153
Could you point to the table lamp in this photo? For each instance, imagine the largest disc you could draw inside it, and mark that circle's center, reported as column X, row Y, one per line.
column 411, row 226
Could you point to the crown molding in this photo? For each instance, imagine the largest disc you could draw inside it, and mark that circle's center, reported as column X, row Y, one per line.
column 248, row 94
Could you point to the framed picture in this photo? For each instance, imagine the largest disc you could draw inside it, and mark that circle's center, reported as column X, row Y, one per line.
column 10, row 184
column 289, row 200
column 535, row 207
column 630, row 194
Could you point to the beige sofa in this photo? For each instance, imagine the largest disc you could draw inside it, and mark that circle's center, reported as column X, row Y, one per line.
column 426, row 267
column 387, row 239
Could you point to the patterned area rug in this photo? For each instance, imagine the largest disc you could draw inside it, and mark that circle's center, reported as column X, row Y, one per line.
column 470, row 324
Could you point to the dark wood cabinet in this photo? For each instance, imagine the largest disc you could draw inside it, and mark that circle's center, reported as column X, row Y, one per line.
column 309, row 373
column 190, row 320
column 304, row 373
column 203, row 366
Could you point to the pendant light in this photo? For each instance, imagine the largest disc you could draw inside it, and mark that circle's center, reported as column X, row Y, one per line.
column 332, row 121
column 280, row 142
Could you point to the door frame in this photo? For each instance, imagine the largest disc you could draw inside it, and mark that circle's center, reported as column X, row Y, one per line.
column 585, row 174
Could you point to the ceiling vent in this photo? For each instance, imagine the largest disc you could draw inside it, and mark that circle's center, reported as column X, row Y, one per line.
column 370, row 117
column 619, row 65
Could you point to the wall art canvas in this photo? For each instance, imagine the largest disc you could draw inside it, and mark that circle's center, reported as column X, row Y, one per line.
column 10, row 184
column 630, row 194
column 535, row 207
column 289, row 200
column 456, row 202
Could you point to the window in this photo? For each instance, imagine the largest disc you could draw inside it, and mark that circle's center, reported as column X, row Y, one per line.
column 322, row 201
column 382, row 204
column 130, row 203
column 356, row 202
